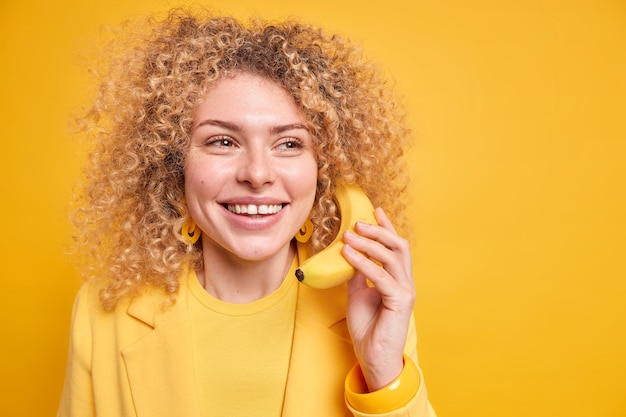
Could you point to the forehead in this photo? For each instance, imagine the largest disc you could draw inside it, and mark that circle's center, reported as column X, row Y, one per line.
column 247, row 95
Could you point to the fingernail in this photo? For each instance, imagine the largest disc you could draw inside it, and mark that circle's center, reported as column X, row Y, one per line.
column 348, row 248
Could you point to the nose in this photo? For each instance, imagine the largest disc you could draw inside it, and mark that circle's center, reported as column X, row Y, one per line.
column 256, row 169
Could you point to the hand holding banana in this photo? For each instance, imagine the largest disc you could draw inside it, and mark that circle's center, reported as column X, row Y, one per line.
column 367, row 247
column 379, row 316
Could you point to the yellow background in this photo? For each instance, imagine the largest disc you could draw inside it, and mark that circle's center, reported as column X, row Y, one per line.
column 519, row 109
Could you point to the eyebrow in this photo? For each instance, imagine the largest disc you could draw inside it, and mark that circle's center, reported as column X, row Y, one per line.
column 219, row 123
column 285, row 128
column 236, row 128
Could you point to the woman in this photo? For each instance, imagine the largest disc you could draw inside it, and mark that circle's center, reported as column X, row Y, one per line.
column 215, row 143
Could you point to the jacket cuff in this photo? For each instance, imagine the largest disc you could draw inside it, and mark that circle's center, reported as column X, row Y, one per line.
column 391, row 397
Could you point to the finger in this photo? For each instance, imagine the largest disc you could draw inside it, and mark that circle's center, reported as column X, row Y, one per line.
column 383, row 233
column 387, row 235
column 383, row 220
column 386, row 284
column 396, row 261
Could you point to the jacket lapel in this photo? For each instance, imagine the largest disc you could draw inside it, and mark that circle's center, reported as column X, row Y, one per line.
column 159, row 365
column 161, row 370
column 321, row 354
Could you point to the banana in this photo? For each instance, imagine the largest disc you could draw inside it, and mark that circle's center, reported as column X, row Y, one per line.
column 328, row 268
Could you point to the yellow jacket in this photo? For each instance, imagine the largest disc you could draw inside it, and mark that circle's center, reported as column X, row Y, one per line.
column 135, row 360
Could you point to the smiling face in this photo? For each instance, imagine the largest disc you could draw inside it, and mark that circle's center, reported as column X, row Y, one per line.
column 250, row 171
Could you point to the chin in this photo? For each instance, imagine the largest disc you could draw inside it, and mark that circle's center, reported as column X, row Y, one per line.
column 257, row 254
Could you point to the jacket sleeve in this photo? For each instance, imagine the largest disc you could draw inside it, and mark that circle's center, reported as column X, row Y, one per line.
column 417, row 405
column 77, row 398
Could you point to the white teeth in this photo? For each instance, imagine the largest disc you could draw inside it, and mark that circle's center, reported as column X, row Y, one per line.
column 253, row 209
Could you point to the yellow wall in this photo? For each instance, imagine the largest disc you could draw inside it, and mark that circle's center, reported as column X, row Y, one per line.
column 520, row 250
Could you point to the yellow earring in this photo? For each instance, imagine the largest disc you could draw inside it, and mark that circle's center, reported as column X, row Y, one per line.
column 190, row 232
column 305, row 232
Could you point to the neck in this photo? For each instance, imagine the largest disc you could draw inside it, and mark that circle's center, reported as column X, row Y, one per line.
column 239, row 281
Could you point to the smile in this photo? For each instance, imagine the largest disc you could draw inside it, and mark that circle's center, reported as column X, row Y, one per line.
column 253, row 209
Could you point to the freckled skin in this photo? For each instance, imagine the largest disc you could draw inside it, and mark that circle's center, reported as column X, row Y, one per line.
column 249, row 138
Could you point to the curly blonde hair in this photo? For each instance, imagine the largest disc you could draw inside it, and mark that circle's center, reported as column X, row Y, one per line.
column 132, row 204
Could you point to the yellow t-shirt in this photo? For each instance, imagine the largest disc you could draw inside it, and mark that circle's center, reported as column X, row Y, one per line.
column 241, row 352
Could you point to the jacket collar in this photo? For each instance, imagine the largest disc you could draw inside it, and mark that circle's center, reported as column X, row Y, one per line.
column 315, row 371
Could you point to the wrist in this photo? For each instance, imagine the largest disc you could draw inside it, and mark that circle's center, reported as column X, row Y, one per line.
column 378, row 377
column 390, row 397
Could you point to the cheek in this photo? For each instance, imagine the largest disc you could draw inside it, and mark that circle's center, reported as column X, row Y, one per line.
column 195, row 181
column 306, row 179
column 198, row 170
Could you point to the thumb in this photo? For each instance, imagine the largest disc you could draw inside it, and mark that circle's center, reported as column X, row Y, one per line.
column 357, row 283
